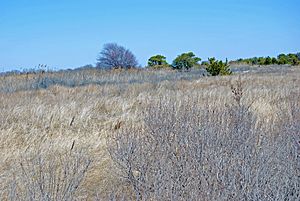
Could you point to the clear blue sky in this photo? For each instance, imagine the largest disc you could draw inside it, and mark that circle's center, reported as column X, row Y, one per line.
column 70, row 33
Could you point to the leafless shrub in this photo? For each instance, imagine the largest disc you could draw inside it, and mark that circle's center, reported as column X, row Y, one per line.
column 237, row 90
column 53, row 177
column 185, row 152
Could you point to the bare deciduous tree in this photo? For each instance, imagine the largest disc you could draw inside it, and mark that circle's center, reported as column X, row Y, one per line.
column 116, row 56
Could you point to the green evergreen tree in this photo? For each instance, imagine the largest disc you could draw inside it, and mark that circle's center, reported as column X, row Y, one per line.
column 282, row 59
column 274, row 60
column 216, row 67
column 261, row 61
column 293, row 59
column 157, row 60
column 268, row 61
column 185, row 61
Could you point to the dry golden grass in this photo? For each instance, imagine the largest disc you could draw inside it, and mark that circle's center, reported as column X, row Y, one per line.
column 51, row 120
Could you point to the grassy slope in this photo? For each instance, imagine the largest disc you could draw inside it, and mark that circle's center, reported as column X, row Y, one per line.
column 52, row 119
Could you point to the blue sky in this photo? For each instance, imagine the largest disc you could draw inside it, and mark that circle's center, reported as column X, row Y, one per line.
column 68, row 34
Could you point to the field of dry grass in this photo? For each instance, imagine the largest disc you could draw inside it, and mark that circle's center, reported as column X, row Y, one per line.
column 60, row 132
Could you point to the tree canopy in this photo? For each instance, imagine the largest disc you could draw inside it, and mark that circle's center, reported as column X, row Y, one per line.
column 185, row 61
column 291, row 59
column 116, row 56
column 157, row 60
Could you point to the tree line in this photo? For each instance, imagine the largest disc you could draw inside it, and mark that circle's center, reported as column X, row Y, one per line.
column 281, row 59
column 116, row 56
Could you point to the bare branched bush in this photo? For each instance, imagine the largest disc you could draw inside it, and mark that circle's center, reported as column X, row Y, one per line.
column 185, row 152
column 53, row 177
column 237, row 90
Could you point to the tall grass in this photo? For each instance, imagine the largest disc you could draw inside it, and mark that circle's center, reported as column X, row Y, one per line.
column 75, row 78
column 150, row 135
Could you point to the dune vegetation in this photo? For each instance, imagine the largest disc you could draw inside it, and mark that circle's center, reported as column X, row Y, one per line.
column 143, row 134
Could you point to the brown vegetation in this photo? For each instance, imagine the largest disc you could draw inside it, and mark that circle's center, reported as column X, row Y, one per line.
column 150, row 135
